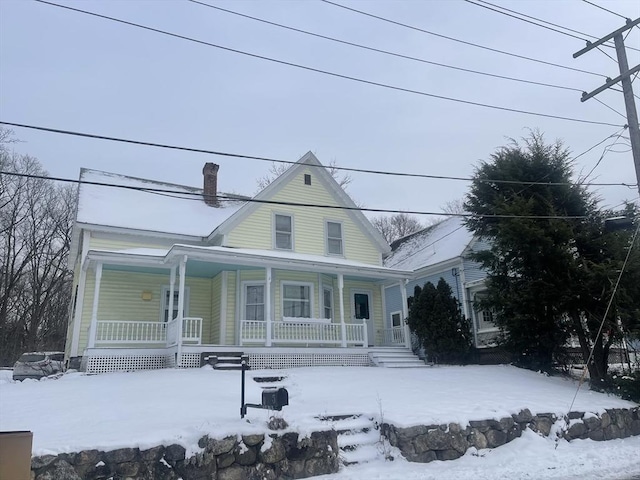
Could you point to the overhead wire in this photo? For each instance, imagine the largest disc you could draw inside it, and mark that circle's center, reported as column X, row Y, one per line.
column 604, row 152
column 605, row 9
column 238, row 198
column 291, row 162
column 610, row 108
column 326, row 72
column 379, row 50
column 464, row 42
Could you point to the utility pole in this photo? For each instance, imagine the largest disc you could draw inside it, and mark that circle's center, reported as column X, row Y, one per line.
column 627, row 90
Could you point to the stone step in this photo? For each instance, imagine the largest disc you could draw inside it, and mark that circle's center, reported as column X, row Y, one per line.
column 359, row 439
column 363, row 454
column 338, row 417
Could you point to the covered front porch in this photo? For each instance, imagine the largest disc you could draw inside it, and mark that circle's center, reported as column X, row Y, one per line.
column 213, row 297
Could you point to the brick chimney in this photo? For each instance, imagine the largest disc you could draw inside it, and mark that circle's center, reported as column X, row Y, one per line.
column 210, row 172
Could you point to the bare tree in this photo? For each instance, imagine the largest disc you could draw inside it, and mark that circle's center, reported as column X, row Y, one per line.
column 454, row 206
column 276, row 169
column 35, row 236
column 396, row 226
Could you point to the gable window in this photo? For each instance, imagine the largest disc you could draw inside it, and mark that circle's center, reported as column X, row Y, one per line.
column 166, row 292
column 334, row 238
column 296, row 300
column 327, row 302
column 254, row 302
column 307, row 179
column 284, row 232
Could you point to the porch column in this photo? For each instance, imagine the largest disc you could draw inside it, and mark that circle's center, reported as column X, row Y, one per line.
column 183, row 268
column 94, row 312
column 172, row 284
column 405, row 313
column 343, row 327
column 267, row 304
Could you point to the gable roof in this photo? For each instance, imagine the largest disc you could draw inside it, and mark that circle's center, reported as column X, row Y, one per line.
column 435, row 244
column 181, row 212
column 321, row 173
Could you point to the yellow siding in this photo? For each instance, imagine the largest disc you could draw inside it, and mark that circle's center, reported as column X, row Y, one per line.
column 308, row 223
column 231, row 309
column 216, row 287
column 113, row 244
column 121, row 299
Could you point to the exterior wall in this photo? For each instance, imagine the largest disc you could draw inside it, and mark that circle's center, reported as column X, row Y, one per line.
column 216, row 301
column 392, row 302
column 121, row 299
column 309, row 236
column 472, row 270
column 231, row 330
column 454, row 282
column 107, row 243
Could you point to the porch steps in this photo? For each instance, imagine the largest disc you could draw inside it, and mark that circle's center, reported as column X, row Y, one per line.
column 358, row 438
column 395, row 357
column 222, row 360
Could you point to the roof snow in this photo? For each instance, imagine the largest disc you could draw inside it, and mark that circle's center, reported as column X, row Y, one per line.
column 438, row 243
column 181, row 211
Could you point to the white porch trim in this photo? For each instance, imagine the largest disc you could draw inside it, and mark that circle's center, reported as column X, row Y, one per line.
column 405, row 313
column 79, row 298
column 223, row 307
column 343, row 327
column 267, row 305
column 183, row 268
column 94, row 310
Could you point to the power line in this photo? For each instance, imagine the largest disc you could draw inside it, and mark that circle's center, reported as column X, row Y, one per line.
column 379, row 50
column 605, row 9
column 290, row 162
column 326, row 72
column 604, row 152
column 610, row 108
column 236, row 198
column 405, row 25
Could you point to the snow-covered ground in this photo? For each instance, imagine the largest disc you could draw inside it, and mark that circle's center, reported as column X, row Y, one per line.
column 144, row 409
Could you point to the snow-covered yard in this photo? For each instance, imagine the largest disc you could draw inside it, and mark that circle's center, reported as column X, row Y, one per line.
column 144, row 409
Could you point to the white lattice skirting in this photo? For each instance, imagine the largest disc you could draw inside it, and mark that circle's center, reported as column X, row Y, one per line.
column 129, row 362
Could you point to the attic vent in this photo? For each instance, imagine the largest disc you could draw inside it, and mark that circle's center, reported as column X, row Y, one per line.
column 307, row 179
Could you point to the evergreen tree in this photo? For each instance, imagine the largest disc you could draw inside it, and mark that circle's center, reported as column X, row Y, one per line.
column 435, row 317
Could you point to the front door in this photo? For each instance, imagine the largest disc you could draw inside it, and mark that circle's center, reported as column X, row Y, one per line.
column 362, row 311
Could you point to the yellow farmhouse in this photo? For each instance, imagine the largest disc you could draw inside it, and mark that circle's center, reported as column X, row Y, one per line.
column 167, row 275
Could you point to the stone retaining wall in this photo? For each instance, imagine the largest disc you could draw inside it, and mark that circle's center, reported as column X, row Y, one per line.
column 425, row 443
column 248, row 458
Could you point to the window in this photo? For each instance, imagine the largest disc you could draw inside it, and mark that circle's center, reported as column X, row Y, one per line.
column 484, row 317
column 396, row 319
column 165, row 303
column 254, row 302
column 334, row 238
column 284, row 232
column 327, row 302
column 307, row 179
column 361, row 306
column 296, row 300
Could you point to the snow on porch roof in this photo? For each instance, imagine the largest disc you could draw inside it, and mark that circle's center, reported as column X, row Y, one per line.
column 438, row 243
column 183, row 213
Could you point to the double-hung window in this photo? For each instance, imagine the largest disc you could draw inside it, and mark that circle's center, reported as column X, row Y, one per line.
column 327, row 302
column 254, row 302
column 283, row 232
column 296, row 300
column 166, row 296
column 334, row 238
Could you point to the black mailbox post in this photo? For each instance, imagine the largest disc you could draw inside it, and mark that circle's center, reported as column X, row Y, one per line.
column 272, row 398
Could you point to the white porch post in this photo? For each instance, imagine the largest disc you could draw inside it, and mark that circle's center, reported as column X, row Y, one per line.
column 343, row 327
column 267, row 305
column 94, row 312
column 172, row 284
column 405, row 313
column 183, row 268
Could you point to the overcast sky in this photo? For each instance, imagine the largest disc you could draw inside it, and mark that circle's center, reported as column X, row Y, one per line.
column 67, row 70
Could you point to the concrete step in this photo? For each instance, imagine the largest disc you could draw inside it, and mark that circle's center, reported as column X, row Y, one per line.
column 350, row 441
column 363, row 454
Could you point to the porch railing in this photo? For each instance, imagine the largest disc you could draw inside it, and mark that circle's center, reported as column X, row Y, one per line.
column 393, row 336
column 135, row 332
column 303, row 332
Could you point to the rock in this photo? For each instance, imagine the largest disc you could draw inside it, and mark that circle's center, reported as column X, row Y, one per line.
column 291, row 469
column 88, row 457
column 43, row 461
column 438, row 440
column 225, row 460
column 218, row 447
column 605, row 419
column 611, row 432
column 592, row 423
column 127, row 469
column 575, row 415
column 320, row 466
column 448, row 454
column 121, row 455
column 246, row 458
column 233, row 473
column 274, row 453
column 495, row 438
column 252, row 440
column 61, row 470
column 409, row 433
column 541, row 425
column 524, row 416
column 635, row 427
column 505, row 423
column 577, row 430
column 484, row 425
column 596, row 435
column 152, row 455
column 459, row 442
column 419, row 445
column 424, row 457
column 174, row 453
column 478, row 439
column 323, row 441
column 514, row 432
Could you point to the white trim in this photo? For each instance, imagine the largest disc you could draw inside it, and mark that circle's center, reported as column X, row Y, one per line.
column 324, row 287
column 94, row 310
column 343, row 327
column 298, row 284
column 405, row 312
column 268, row 280
column 167, row 289
column 238, row 308
column 327, row 221
column 274, row 214
column 223, row 307
column 383, row 300
column 79, row 302
column 181, row 288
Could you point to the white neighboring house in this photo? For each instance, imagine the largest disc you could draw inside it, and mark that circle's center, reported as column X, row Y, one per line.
column 167, row 278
